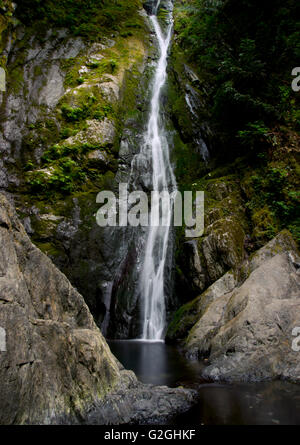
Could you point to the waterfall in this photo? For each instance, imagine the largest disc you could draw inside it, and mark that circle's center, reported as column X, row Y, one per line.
column 156, row 148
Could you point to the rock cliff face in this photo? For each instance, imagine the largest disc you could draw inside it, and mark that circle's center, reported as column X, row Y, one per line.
column 69, row 128
column 243, row 323
column 56, row 361
column 55, row 366
column 203, row 261
column 72, row 120
column 241, row 298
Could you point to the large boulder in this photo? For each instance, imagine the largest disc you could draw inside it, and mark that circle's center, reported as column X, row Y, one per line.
column 186, row 316
column 55, row 360
column 246, row 333
column 55, row 365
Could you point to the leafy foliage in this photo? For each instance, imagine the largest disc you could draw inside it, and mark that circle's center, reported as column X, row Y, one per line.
column 275, row 199
column 86, row 18
column 64, row 169
column 245, row 51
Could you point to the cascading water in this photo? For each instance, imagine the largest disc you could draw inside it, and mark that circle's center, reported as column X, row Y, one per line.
column 142, row 284
column 152, row 280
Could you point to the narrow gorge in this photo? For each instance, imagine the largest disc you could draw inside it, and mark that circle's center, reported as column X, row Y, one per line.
column 135, row 322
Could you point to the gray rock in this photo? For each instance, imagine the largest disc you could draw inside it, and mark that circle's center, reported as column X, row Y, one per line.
column 97, row 133
column 281, row 243
column 56, row 360
column 27, row 226
column 141, row 404
column 2, row 79
column 55, row 365
column 98, row 158
column 3, row 174
column 110, row 89
column 193, row 262
column 40, row 84
column 188, row 315
column 191, row 75
column 247, row 333
column 149, row 6
column 54, row 88
column 223, row 247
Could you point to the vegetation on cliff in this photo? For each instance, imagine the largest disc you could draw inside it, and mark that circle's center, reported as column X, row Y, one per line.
column 6, row 21
column 235, row 59
column 73, row 77
column 243, row 53
column 88, row 18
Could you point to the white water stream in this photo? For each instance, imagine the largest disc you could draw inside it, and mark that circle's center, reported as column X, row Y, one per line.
column 152, row 281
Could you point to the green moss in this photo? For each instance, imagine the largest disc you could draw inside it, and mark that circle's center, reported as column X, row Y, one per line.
column 130, row 88
column 66, row 170
column 189, row 164
column 294, row 228
column 38, row 71
column 65, row 173
column 16, row 78
column 265, row 226
column 67, row 132
column 71, row 67
column 183, row 320
column 49, row 249
column 273, row 198
column 109, row 66
column 87, row 103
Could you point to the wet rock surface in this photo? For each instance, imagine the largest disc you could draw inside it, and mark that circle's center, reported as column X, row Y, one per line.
column 39, row 85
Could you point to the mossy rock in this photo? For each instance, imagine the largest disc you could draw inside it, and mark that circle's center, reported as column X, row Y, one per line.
column 44, row 226
column 182, row 321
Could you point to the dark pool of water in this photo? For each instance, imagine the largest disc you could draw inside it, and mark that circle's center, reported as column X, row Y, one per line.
column 271, row 403
column 155, row 363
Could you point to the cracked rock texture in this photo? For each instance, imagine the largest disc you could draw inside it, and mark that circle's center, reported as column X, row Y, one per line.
column 55, row 365
column 43, row 79
column 245, row 327
column 48, row 78
column 56, row 360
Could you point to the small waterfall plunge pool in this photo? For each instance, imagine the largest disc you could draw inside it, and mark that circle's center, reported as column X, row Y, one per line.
column 268, row 403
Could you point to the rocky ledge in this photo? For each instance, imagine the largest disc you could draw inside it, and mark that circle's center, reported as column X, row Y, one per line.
column 55, row 365
column 136, row 403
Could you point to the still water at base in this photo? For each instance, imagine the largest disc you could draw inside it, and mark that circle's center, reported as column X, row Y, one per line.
column 269, row 403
